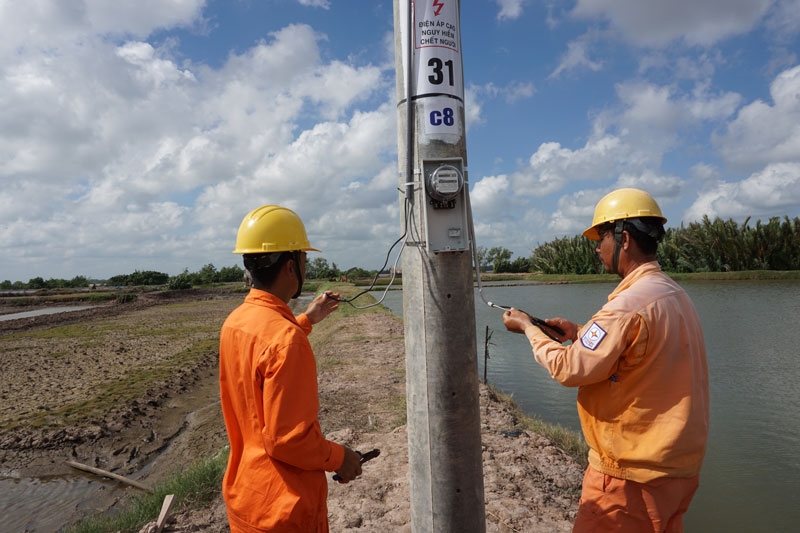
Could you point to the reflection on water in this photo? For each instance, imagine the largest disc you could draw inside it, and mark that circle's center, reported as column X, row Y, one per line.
column 752, row 468
column 45, row 311
column 46, row 504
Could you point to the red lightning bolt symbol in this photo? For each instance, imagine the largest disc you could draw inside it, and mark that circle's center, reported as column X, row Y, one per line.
column 438, row 5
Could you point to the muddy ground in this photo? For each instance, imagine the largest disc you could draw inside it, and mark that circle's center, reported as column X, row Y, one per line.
column 131, row 388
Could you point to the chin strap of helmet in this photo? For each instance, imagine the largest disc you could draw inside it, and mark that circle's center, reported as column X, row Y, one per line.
column 617, row 245
column 298, row 272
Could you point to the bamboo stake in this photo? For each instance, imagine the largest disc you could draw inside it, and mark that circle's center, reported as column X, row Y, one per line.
column 106, row 473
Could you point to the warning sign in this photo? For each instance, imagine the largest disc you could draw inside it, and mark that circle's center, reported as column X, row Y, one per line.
column 434, row 27
column 437, row 43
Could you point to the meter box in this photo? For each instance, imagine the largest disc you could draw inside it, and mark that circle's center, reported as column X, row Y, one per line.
column 445, row 206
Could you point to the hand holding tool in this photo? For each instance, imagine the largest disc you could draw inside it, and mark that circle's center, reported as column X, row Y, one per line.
column 372, row 454
column 546, row 328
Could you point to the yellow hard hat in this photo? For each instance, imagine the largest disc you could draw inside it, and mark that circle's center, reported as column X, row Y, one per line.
column 271, row 228
column 621, row 204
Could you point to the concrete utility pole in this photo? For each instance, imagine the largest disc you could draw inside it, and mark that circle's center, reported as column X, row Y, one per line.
column 445, row 466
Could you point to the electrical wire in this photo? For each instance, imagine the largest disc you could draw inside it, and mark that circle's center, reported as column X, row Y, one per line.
column 386, row 262
column 409, row 172
column 546, row 328
column 475, row 262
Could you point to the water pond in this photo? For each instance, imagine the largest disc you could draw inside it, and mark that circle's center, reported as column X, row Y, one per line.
column 752, row 470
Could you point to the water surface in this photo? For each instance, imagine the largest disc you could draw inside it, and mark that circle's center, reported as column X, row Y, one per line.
column 45, row 311
column 751, row 473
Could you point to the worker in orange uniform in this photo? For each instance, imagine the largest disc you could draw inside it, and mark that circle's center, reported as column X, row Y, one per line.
column 640, row 365
column 275, row 479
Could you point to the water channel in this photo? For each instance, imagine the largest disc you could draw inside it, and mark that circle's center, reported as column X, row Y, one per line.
column 751, row 474
column 45, row 311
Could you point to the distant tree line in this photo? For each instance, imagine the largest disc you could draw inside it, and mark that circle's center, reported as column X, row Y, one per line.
column 499, row 259
column 41, row 283
column 316, row 268
column 706, row 246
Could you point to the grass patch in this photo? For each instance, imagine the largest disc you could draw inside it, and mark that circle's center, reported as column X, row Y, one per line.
column 193, row 488
column 570, row 441
column 327, row 362
column 399, row 406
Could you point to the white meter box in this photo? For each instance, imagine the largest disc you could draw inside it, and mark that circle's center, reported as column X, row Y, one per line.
column 445, row 207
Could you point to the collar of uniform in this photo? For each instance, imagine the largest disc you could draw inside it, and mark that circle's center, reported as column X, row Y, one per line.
column 267, row 299
column 637, row 274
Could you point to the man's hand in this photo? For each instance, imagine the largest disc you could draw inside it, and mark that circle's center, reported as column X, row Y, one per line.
column 516, row 321
column 570, row 329
column 351, row 466
column 321, row 306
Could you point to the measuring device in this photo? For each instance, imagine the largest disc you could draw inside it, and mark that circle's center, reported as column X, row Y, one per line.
column 546, row 328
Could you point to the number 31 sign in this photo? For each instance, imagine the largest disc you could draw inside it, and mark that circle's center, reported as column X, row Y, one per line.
column 439, row 79
column 437, row 43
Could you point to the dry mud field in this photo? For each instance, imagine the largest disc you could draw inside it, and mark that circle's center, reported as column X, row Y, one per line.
column 131, row 388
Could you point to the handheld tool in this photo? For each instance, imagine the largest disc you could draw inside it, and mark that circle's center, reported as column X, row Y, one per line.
column 546, row 328
column 372, row 454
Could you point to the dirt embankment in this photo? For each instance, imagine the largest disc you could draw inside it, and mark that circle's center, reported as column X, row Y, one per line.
column 149, row 431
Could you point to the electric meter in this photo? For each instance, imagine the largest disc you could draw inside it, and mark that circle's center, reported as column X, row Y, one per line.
column 444, row 185
column 445, row 213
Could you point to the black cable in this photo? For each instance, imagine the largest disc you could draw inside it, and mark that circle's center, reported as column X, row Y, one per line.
column 409, row 169
column 386, row 262
column 541, row 324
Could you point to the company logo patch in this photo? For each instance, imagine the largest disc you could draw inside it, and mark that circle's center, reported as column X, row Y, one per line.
column 593, row 336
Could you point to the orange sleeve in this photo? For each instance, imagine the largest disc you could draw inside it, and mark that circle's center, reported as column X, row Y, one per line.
column 304, row 322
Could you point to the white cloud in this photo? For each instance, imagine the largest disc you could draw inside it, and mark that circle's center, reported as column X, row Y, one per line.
column 510, row 9
column 337, row 86
column 490, row 193
column 324, row 4
column 575, row 58
column 510, row 93
column 151, row 70
column 665, row 188
column 574, row 212
column 138, row 17
column 126, row 146
column 653, row 106
column 774, row 191
column 762, row 133
column 784, row 20
column 704, row 172
column 696, row 22
column 552, row 166
column 473, row 106
column 475, row 97
column 46, row 26
column 626, row 147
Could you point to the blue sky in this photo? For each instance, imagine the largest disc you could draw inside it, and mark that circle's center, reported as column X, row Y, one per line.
column 136, row 135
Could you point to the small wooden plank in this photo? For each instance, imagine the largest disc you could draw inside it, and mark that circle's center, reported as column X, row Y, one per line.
column 164, row 514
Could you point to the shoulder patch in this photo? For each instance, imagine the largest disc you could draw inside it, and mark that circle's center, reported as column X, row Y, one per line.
column 593, row 336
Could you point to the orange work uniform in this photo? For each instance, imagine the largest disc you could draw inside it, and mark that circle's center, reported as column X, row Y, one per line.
column 275, row 479
column 640, row 365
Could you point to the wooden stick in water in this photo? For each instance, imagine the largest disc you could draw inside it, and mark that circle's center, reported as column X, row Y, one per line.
column 106, row 473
